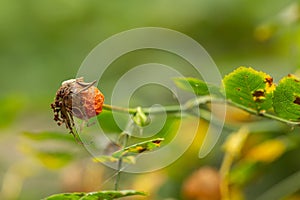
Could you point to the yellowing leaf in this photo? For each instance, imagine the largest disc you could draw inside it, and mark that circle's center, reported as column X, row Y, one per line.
column 286, row 100
column 128, row 153
column 138, row 148
column 267, row 151
column 250, row 88
column 235, row 142
column 101, row 195
column 46, row 135
column 103, row 159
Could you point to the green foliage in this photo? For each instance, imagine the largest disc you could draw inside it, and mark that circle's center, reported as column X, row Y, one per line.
column 198, row 87
column 246, row 88
column 138, row 148
column 51, row 158
column 255, row 158
column 286, row 99
column 36, row 145
column 249, row 88
column 101, row 195
column 255, row 92
column 47, row 42
column 128, row 153
column 46, row 135
column 55, row 159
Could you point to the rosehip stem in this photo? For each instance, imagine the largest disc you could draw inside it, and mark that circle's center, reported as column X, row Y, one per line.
column 189, row 105
column 118, row 109
column 193, row 103
column 154, row 110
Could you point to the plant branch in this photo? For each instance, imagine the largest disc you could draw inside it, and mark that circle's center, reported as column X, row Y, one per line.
column 120, row 161
column 118, row 177
column 118, row 109
column 263, row 114
column 148, row 110
column 193, row 103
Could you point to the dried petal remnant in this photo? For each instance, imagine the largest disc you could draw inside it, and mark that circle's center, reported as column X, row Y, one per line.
column 76, row 98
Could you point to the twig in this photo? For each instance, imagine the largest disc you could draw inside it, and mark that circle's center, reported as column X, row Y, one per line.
column 120, row 161
column 193, row 103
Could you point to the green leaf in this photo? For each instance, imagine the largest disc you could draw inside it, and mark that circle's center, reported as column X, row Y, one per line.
column 198, row 87
column 101, row 195
column 46, row 135
column 66, row 196
column 138, row 148
column 50, row 155
column 250, row 88
column 54, row 160
column 286, row 100
column 51, row 159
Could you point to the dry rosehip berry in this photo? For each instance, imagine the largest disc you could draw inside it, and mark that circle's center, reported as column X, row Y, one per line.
column 76, row 98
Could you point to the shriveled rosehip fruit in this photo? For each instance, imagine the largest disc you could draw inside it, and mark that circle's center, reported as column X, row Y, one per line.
column 76, row 98
column 88, row 103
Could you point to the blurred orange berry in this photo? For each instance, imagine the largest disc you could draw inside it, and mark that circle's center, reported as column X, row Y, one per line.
column 203, row 184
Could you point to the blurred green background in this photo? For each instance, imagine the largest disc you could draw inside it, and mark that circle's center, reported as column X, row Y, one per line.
column 45, row 42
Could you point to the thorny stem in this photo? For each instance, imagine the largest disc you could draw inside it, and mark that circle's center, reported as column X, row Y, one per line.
column 193, row 103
